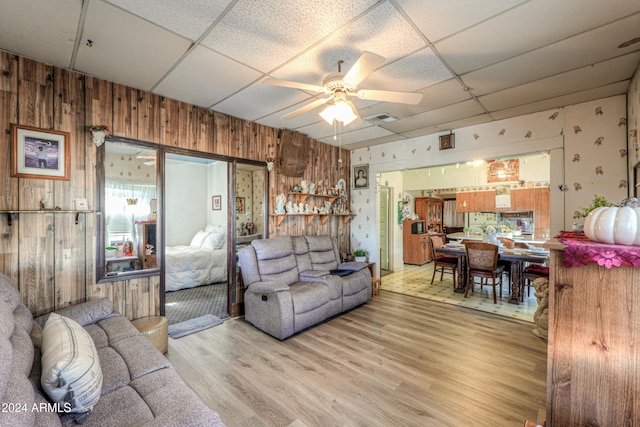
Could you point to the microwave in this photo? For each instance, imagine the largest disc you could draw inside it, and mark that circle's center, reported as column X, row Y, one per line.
column 417, row 227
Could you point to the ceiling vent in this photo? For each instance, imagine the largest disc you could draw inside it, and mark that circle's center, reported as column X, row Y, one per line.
column 381, row 119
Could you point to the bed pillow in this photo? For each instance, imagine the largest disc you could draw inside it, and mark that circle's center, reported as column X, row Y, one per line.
column 213, row 241
column 71, row 373
column 199, row 238
column 216, row 228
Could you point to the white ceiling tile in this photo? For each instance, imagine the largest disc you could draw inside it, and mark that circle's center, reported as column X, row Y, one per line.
column 439, row 18
column 587, row 48
column 527, row 27
column 189, row 18
column 260, row 100
column 266, row 33
column 349, row 42
column 611, row 71
column 197, row 79
column 55, row 23
column 125, row 49
column 613, row 89
column 369, row 132
column 409, row 74
column 462, row 109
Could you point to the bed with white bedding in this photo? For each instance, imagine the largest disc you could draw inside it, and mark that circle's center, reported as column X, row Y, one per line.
column 202, row 262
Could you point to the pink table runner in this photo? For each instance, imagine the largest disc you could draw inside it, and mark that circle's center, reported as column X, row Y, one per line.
column 581, row 251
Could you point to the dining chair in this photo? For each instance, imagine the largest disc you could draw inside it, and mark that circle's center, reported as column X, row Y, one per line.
column 529, row 274
column 482, row 262
column 506, row 265
column 442, row 261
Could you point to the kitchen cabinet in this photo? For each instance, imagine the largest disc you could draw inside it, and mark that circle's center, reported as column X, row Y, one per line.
column 430, row 209
column 416, row 247
column 476, row 201
column 463, row 202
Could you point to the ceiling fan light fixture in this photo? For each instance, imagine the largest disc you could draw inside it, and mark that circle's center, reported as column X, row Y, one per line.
column 341, row 111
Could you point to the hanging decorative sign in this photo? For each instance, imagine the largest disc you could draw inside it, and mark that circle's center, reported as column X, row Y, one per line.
column 503, row 171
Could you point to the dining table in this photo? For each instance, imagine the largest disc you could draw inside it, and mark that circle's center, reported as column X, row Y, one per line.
column 517, row 257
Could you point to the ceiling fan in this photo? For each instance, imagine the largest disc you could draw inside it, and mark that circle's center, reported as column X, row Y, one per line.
column 339, row 86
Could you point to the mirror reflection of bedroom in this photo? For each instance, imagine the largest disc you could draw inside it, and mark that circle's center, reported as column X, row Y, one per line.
column 196, row 237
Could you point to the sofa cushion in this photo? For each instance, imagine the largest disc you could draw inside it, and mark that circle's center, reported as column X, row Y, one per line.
column 70, row 365
column 301, row 251
column 322, row 253
column 308, row 296
column 9, row 292
column 84, row 313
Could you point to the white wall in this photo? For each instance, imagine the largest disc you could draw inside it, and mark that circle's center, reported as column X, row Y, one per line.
column 217, row 186
column 185, row 200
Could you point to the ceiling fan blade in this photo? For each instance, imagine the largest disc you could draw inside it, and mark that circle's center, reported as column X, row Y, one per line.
column 310, row 106
column 366, row 63
column 294, row 85
column 390, row 96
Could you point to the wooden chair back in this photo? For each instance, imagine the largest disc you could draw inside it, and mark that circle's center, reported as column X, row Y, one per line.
column 436, row 242
column 508, row 243
column 481, row 256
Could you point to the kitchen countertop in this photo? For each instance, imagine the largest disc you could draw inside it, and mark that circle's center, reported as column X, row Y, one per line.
column 478, row 236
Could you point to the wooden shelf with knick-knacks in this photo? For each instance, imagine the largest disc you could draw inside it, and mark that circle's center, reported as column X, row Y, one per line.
column 302, row 197
column 308, row 217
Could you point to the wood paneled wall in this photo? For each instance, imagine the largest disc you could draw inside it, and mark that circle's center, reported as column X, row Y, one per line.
column 49, row 257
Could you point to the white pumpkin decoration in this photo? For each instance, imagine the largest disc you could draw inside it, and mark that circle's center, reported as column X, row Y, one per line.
column 614, row 225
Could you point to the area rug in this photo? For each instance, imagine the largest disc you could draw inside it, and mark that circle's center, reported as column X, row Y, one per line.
column 190, row 303
column 192, row 326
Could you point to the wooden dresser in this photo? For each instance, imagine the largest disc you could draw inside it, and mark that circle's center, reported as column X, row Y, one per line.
column 593, row 359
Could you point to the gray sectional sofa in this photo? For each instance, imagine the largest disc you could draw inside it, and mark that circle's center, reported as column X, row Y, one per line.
column 139, row 386
column 290, row 287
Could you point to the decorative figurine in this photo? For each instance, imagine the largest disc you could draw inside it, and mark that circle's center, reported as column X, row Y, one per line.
column 281, row 199
column 304, row 186
column 290, row 207
column 312, row 188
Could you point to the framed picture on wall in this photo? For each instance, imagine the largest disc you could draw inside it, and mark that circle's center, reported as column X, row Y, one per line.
column 39, row 153
column 240, row 205
column 216, row 203
column 360, row 175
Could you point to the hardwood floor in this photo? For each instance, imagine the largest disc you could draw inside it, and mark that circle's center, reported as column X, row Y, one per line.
column 395, row 361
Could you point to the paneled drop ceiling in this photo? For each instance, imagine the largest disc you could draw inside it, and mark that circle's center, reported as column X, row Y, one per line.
column 474, row 61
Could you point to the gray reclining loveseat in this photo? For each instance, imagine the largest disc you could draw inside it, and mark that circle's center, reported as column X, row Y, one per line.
column 290, row 286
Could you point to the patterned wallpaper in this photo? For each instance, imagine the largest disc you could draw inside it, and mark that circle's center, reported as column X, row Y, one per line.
column 125, row 167
column 594, row 131
column 633, row 112
column 595, row 160
column 250, row 185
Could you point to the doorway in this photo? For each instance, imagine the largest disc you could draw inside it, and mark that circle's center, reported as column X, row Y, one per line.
column 196, row 237
column 385, row 230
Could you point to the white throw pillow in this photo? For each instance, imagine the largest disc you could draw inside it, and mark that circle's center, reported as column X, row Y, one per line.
column 71, row 373
column 213, row 241
column 199, row 238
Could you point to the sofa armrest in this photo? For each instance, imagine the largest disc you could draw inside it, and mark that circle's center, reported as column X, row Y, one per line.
column 84, row 313
column 267, row 287
column 313, row 274
column 353, row 266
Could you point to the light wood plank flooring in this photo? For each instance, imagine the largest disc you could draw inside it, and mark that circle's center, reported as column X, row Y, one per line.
column 395, row 361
